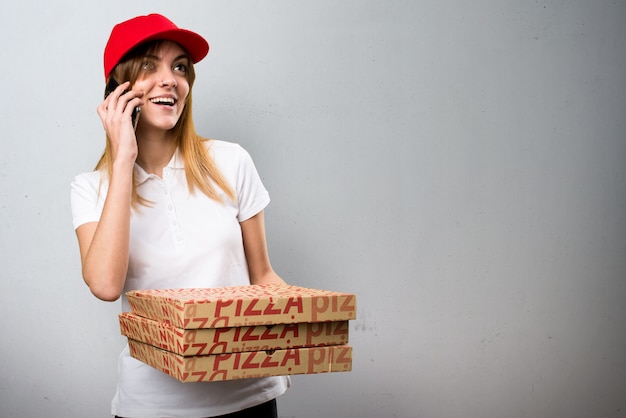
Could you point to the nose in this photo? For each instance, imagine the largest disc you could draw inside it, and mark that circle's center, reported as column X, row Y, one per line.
column 167, row 78
column 168, row 82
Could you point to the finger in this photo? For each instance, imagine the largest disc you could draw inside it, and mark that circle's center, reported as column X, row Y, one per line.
column 119, row 90
column 101, row 110
column 115, row 95
column 127, row 96
column 133, row 103
column 119, row 105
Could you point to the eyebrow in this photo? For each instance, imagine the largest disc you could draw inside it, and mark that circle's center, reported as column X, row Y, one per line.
column 157, row 58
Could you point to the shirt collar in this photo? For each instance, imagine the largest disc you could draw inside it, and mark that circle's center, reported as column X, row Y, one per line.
column 176, row 163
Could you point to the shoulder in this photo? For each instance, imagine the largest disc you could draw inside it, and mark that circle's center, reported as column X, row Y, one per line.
column 90, row 179
column 227, row 153
column 219, row 147
column 88, row 191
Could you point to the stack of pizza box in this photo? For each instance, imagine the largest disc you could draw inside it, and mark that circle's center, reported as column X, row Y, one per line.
column 238, row 332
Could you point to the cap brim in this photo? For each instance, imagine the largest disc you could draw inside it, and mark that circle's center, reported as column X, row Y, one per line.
column 196, row 46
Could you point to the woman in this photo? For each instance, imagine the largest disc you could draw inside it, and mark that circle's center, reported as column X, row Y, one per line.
column 168, row 209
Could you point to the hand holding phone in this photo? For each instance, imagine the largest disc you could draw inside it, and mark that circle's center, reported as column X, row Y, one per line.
column 112, row 85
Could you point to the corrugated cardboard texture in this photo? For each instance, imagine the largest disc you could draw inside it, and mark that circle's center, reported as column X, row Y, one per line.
column 195, row 342
column 245, row 365
column 242, row 306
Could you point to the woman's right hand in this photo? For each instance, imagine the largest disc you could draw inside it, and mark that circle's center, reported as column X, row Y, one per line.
column 115, row 112
column 104, row 245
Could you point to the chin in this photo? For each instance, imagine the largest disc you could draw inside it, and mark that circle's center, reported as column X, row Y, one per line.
column 164, row 125
column 169, row 127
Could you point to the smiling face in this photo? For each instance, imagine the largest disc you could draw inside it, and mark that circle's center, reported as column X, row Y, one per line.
column 163, row 78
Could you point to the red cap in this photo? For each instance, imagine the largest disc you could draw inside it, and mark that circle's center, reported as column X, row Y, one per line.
column 127, row 35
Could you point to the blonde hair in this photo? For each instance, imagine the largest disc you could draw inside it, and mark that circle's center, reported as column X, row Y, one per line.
column 200, row 169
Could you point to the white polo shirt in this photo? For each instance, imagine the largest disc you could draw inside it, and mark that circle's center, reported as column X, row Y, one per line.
column 183, row 240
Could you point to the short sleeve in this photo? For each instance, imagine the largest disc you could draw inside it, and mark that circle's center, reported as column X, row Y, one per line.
column 252, row 197
column 87, row 198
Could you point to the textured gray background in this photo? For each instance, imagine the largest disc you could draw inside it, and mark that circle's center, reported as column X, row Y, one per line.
column 459, row 165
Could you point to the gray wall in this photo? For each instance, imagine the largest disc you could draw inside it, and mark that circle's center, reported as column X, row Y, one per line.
column 458, row 165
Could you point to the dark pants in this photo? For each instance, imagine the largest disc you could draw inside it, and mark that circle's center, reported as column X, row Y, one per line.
column 265, row 410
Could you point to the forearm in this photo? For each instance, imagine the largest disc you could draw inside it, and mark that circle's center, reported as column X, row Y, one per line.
column 105, row 262
column 268, row 278
column 259, row 266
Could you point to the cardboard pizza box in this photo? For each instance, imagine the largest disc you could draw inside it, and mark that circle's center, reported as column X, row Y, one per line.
column 188, row 342
column 231, row 366
column 238, row 306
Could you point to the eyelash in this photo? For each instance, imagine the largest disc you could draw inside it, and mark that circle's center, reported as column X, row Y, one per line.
column 149, row 66
column 183, row 68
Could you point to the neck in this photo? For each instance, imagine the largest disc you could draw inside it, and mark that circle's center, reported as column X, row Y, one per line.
column 155, row 152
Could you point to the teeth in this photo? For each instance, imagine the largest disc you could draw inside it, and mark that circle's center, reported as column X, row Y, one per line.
column 165, row 100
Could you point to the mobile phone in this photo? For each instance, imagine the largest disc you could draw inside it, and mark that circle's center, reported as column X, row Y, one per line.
column 112, row 85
